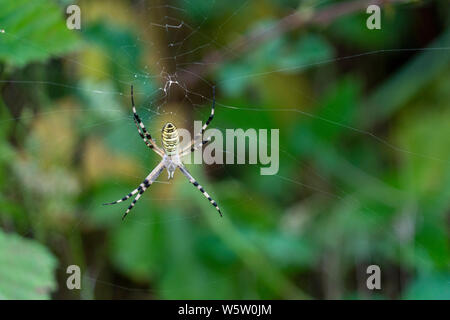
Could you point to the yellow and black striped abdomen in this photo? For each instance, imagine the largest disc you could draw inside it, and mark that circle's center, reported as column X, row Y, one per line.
column 170, row 138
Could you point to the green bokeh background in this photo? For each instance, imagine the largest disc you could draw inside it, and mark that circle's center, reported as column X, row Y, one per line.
column 364, row 177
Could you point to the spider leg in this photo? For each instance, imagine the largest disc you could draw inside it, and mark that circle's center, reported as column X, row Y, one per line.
column 142, row 187
column 128, row 196
column 141, row 129
column 199, row 187
column 134, row 202
column 157, row 150
column 193, row 148
column 200, row 134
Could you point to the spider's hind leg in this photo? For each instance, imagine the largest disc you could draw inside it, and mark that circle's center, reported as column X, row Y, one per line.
column 128, row 196
column 142, row 187
column 199, row 187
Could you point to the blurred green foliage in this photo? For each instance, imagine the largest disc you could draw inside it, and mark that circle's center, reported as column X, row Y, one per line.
column 34, row 31
column 364, row 153
column 26, row 269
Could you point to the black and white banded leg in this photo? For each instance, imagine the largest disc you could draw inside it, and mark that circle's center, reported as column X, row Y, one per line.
column 141, row 129
column 200, row 134
column 141, row 189
column 194, row 148
column 199, row 187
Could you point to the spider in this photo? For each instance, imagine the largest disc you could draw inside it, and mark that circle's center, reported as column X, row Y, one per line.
column 170, row 154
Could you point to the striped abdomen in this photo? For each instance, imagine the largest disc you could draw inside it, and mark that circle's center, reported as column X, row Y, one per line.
column 170, row 138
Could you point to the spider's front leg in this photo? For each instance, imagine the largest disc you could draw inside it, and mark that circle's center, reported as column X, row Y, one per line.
column 187, row 151
column 199, row 187
column 199, row 135
column 142, row 131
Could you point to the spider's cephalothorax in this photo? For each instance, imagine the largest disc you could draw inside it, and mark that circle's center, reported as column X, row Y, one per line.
column 170, row 139
column 170, row 153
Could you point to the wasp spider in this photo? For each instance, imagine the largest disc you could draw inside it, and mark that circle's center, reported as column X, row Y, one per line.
column 170, row 154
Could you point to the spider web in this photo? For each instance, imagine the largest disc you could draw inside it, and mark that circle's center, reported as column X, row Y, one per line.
column 162, row 91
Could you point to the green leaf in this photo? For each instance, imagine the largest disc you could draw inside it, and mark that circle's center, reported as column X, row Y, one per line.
column 26, row 268
column 33, row 31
